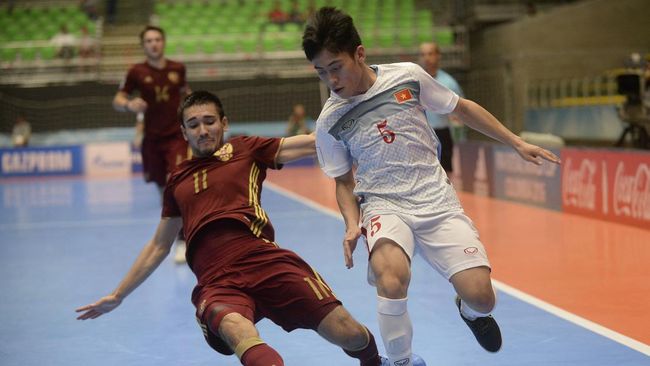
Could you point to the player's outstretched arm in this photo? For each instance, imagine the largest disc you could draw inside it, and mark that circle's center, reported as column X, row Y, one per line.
column 483, row 121
column 349, row 207
column 296, row 147
column 148, row 260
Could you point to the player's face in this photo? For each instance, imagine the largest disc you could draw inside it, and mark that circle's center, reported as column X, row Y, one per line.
column 343, row 73
column 203, row 129
column 153, row 44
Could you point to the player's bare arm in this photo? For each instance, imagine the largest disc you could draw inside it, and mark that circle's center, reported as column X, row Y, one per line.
column 483, row 121
column 296, row 147
column 349, row 207
column 122, row 103
column 148, row 260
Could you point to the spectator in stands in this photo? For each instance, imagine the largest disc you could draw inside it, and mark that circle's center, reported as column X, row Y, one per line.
column 21, row 132
column 161, row 84
column 66, row 43
column 373, row 139
column 87, row 45
column 442, row 124
column 277, row 15
column 111, row 11
column 295, row 15
column 297, row 124
column 89, row 7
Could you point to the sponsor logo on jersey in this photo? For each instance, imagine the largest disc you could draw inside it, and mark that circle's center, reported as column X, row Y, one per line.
column 148, row 79
column 225, row 153
column 471, row 250
column 348, row 124
column 403, row 95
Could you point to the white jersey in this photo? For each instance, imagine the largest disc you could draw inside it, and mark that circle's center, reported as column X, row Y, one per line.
column 385, row 134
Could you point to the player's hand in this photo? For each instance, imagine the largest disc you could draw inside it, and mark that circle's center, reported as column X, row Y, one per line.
column 350, row 244
column 535, row 154
column 95, row 310
column 136, row 105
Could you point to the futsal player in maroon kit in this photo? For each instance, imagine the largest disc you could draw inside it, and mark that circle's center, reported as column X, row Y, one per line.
column 243, row 276
column 161, row 84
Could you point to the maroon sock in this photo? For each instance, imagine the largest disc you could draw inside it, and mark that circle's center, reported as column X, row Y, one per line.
column 261, row 355
column 368, row 356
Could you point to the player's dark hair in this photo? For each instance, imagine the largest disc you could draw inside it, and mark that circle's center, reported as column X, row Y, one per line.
column 200, row 97
column 153, row 28
column 332, row 30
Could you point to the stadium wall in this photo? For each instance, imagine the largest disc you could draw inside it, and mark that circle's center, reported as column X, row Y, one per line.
column 575, row 40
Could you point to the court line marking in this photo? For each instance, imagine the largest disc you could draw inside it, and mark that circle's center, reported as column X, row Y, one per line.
column 543, row 305
column 74, row 224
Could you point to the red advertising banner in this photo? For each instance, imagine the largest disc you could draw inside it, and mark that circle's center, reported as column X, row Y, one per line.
column 614, row 186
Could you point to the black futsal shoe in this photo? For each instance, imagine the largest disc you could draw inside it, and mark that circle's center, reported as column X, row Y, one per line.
column 485, row 329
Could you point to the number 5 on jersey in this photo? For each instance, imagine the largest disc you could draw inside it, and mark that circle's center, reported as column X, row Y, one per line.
column 385, row 132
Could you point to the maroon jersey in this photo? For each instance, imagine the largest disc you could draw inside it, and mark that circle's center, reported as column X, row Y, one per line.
column 225, row 185
column 161, row 89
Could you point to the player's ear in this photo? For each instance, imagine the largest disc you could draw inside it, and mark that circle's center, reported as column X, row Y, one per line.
column 224, row 123
column 360, row 53
column 183, row 131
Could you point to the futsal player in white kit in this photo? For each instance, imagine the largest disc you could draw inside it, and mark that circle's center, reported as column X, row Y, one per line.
column 374, row 121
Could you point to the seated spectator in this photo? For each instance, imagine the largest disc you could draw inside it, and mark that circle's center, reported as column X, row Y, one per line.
column 297, row 124
column 277, row 15
column 66, row 43
column 87, row 46
column 21, row 132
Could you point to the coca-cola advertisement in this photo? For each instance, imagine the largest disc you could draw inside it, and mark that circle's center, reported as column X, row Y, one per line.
column 629, row 188
column 614, row 186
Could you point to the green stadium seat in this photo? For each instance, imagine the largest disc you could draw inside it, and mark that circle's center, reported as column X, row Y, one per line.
column 248, row 44
column 386, row 39
column 444, row 37
column 228, row 45
column 8, row 54
column 28, row 53
column 190, row 47
column 406, row 39
column 208, row 46
column 47, row 53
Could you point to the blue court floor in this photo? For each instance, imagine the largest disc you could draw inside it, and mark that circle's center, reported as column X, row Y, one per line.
column 66, row 242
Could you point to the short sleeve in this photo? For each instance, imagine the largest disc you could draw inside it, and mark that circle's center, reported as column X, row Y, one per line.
column 264, row 149
column 169, row 205
column 434, row 96
column 333, row 156
column 129, row 84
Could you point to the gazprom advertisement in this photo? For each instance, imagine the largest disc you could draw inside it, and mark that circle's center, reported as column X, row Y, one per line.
column 60, row 160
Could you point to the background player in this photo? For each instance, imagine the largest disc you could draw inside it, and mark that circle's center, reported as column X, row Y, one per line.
column 374, row 118
column 243, row 276
column 441, row 123
column 162, row 84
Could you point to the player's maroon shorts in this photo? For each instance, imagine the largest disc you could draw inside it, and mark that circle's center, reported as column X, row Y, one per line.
column 260, row 281
column 160, row 156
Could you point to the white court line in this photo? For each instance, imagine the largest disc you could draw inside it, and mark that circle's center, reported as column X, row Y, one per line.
column 575, row 319
column 74, row 224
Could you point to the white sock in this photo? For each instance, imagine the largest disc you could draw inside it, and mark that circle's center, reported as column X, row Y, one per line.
column 472, row 314
column 396, row 330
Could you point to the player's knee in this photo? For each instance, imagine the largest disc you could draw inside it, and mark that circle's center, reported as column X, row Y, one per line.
column 392, row 286
column 483, row 299
column 355, row 337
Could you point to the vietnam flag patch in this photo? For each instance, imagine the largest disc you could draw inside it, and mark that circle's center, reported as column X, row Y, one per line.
column 402, row 96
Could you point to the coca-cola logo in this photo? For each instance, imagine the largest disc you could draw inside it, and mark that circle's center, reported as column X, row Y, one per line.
column 631, row 196
column 579, row 185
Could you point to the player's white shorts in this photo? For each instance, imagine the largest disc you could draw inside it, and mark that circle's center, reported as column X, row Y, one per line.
column 448, row 241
